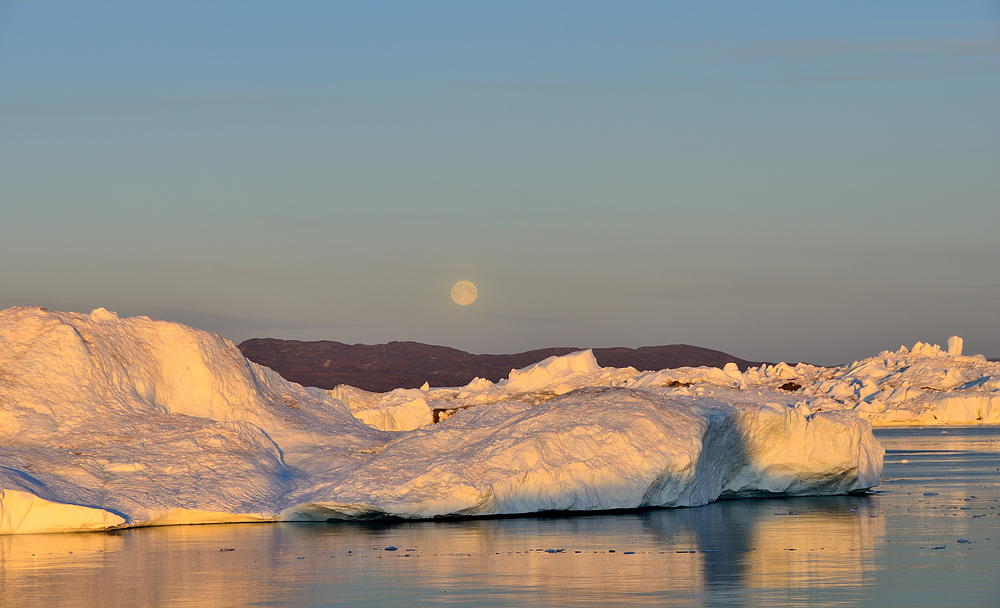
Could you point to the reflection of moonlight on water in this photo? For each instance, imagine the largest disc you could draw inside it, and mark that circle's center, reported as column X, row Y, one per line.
column 464, row 293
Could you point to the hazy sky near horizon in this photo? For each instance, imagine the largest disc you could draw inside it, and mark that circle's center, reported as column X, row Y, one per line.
column 811, row 181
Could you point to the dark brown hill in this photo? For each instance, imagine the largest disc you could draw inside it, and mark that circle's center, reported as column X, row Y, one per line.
column 383, row 367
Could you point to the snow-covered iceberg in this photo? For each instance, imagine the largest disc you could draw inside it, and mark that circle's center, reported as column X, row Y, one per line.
column 108, row 422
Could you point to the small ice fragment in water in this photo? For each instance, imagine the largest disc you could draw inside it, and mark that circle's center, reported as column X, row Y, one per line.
column 904, row 461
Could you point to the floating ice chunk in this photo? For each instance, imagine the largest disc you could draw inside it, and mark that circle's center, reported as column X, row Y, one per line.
column 954, row 346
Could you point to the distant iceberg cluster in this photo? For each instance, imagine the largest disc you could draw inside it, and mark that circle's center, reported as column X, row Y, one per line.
column 108, row 422
column 924, row 385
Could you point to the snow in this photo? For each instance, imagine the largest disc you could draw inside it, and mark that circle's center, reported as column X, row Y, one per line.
column 108, row 422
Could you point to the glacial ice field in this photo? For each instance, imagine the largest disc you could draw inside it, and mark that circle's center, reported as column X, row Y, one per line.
column 108, row 422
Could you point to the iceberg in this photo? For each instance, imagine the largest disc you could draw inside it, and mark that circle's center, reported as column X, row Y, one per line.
column 923, row 385
column 111, row 422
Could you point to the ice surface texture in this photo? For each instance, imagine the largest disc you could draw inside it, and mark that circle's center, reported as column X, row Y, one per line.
column 108, row 422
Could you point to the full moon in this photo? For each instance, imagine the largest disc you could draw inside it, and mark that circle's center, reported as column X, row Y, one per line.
column 464, row 293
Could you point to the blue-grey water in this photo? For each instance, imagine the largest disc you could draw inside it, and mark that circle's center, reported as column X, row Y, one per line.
column 929, row 536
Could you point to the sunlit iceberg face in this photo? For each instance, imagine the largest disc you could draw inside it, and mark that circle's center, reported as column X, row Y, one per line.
column 604, row 448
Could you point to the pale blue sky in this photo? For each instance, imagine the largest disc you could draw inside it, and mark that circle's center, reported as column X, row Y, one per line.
column 798, row 181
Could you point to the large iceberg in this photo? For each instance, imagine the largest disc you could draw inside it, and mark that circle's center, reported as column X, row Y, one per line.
column 109, row 422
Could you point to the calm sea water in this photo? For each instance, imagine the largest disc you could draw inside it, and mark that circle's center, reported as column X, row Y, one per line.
column 930, row 536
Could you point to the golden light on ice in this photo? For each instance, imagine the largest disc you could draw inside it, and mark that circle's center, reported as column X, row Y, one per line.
column 464, row 293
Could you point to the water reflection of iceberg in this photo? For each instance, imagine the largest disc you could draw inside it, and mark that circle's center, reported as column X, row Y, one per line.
column 800, row 542
column 659, row 557
column 774, row 543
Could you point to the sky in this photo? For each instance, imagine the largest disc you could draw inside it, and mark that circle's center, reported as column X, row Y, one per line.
column 796, row 181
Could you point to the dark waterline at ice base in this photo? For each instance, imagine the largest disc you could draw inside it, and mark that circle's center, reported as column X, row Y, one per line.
column 929, row 536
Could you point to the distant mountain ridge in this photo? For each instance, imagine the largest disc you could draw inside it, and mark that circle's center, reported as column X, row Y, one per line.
column 384, row 367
